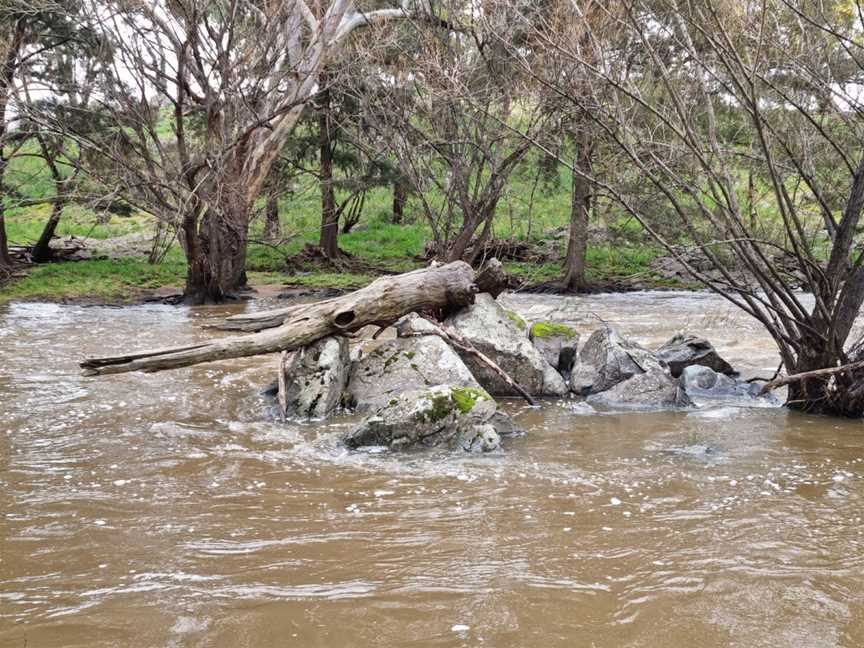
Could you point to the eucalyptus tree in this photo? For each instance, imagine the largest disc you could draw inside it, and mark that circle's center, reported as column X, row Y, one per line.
column 29, row 29
column 203, row 97
column 444, row 110
column 791, row 71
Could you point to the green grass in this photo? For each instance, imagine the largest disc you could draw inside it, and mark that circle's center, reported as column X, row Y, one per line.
column 23, row 227
column 342, row 280
column 619, row 261
column 111, row 279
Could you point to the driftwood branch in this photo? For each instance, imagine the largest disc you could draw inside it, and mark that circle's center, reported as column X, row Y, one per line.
column 806, row 375
column 259, row 321
column 384, row 300
column 491, row 278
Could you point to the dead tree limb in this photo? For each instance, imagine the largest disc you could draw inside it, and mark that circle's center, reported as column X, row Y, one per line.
column 806, row 375
column 491, row 278
column 384, row 300
column 251, row 322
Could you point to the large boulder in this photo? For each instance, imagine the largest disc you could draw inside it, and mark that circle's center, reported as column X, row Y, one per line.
column 607, row 359
column 685, row 350
column 401, row 365
column 558, row 344
column 315, row 378
column 650, row 390
column 706, row 386
column 497, row 334
column 456, row 417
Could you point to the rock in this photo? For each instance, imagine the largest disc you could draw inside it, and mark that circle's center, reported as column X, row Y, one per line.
column 557, row 342
column 412, row 324
column 457, row 417
column 692, row 451
column 315, row 377
column 650, row 390
column 504, row 425
column 401, row 365
column 607, row 359
column 479, row 438
column 497, row 334
column 685, row 350
column 706, row 386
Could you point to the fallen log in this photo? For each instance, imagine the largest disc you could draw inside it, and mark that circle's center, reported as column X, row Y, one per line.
column 382, row 302
column 251, row 322
column 491, row 278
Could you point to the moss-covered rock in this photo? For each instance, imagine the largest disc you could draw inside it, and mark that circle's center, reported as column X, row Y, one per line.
column 557, row 342
column 551, row 329
column 466, row 398
column 457, row 417
column 493, row 332
column 401, row 365
column 517, row 319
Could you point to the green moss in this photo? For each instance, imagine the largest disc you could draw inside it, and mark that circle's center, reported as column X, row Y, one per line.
column 441, row 406
column 410, row 355
column 551, row 329
column 466, row 398
column 520, row 323
column 391, row 360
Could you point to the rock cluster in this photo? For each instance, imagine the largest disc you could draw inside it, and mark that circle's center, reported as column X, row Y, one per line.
column 418, row 390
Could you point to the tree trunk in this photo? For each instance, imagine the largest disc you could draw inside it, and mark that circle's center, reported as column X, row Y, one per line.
column 216, row 254
column 816, row 395
column 329, row 239
column 400, row 195
column 462, row 241
column 580, row 208
column 5, row 258
column 272, row 226
column 42, row 252
column 8, row 69
column 382, row 302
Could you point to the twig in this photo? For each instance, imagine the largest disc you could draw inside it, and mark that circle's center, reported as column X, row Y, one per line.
column 758, row 379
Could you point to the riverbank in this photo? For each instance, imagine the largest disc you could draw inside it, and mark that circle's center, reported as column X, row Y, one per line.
column 112, row 264
column 129, row 280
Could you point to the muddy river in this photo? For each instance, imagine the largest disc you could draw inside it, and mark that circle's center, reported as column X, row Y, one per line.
column 174, row 510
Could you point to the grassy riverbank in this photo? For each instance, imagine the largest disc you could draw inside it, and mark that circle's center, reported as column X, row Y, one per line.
column 119, row 271
column 127, row 279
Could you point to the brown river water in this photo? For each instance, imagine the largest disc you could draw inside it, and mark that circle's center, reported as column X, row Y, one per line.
column 173, row 510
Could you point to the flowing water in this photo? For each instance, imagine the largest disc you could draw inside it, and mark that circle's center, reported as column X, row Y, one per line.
column 173, row 510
